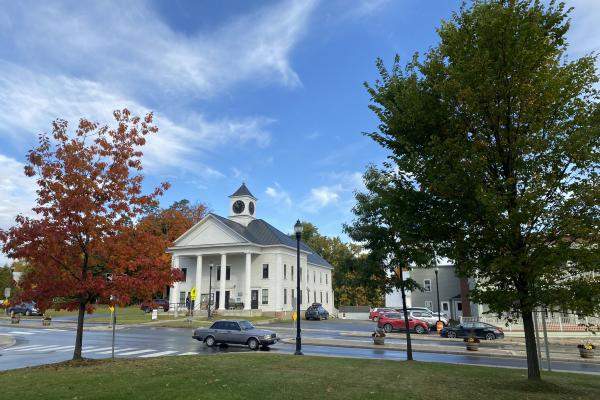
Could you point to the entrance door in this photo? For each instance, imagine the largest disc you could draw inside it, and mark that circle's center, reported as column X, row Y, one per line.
column 217, row 296
column 227, row 299
column 254, row 298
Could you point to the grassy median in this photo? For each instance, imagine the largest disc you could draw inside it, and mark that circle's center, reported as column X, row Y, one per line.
column 250, row 376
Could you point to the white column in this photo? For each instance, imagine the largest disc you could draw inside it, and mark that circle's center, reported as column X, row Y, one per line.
column 175, row 298
column 277, row 296
column 223, row 279
column 248, row 277
column 198, row 281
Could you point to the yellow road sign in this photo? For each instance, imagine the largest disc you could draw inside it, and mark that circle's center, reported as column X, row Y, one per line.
column 111, row 308
column 193, row 294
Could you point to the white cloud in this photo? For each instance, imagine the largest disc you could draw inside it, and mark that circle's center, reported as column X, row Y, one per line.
column 321, row 197
column 30, row 101
column 279, row 195
column 131, row 46
column 17, row 193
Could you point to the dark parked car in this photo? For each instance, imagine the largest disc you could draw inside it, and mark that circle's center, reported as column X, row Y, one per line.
column 235, row 332
column 148, row 306
column 480, row 330
column 317, row 312
column 25, row 308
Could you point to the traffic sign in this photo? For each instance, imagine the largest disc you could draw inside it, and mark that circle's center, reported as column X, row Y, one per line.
column 111, row 308
column 193, row 293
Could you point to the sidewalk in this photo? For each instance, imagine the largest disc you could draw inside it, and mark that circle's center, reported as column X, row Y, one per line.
column 426, row 348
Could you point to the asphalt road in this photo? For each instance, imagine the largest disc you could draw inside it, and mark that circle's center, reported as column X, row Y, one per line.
column 42, row 346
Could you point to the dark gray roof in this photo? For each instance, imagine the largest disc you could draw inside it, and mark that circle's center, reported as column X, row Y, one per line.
column 242, row 191
column 264, row 234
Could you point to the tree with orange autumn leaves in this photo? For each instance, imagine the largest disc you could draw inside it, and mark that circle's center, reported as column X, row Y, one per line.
column 83, row 245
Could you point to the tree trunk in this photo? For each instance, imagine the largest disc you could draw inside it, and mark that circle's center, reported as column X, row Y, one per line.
column 409, row 355
column 464, row 297
column 79, row 336
column 533, row 365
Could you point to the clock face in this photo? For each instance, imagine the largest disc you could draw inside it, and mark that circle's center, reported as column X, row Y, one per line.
column 251, row 208
column 238, row 207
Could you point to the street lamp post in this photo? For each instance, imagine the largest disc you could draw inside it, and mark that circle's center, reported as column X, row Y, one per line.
column 298, row 231
column 437, row 289
column 209, row 287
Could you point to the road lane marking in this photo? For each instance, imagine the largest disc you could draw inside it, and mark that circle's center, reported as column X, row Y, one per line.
column 162, row 353
column 116, row 350
column 189, row 353
column 48, row 348
column 131, row 353
column 100, row 349
column 25, row 347
column 64, row 348
column 22, row 333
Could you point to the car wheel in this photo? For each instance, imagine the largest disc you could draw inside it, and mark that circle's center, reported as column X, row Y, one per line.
column 210, row 341
column 387, row 328
column 451, row 334
column 490, row 336
column 420, row 330
column 253, row 344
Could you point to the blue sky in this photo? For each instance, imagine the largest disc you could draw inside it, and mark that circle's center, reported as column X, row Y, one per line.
column 267, row 92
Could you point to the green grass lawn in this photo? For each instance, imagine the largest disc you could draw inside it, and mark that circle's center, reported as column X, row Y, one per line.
column 268, row 376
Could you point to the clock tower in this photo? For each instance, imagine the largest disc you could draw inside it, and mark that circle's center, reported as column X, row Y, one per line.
column 242, row 206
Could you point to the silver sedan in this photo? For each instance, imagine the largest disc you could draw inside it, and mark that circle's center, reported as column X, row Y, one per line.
column 235, row 332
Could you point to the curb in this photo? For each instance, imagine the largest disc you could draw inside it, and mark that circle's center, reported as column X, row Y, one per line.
column 417, row 350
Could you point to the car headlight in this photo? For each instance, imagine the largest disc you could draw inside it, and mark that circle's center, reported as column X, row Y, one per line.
column 267, row 337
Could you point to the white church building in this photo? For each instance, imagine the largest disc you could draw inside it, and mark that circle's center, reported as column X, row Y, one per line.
column 248, row 264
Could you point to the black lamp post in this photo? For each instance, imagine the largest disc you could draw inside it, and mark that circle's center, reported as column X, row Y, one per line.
column 298, row 230
column 209, row 287
column 437, row 289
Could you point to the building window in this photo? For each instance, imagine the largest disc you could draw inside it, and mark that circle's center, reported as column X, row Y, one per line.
column 307, row 275
column 427, row 285
column 428, row 304
column 218, row 273
column 293, row 300
column 459, row 306
column 181, row 297
column 326, row 296
column 265, row 271
column 321, row 294
column 321, row 277
column 184, row 272
column 315, row 296
column 284, row 271
column 300, row 296
column 445, row 306
column 307, row 296
column 292, row 271
column 314, row 277
column 265, row 296
column 227, row 273
column 327, row 283
column 284, row 296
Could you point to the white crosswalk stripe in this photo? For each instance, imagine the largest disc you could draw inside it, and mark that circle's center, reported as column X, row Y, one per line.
column 131, row 353
column 48, row 348
column 162, row 353
column 189, row 353
column 24, row 347
column 96, row 350
column 116, row 350
column 22, row 333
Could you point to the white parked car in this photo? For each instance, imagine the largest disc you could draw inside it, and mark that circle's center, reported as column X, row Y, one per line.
column 427, row 316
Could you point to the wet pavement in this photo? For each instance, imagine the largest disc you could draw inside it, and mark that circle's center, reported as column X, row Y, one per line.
column 37, row 346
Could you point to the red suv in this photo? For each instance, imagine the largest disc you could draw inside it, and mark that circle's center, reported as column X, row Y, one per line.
column 375, row 312
column 395, row 322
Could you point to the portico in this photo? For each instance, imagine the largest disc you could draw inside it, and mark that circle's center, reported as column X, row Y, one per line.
column 253, row 264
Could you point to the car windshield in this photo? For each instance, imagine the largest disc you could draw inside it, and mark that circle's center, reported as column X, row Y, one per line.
column 246, row 326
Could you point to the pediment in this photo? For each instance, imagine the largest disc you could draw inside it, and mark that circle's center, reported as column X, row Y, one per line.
column 208, row 232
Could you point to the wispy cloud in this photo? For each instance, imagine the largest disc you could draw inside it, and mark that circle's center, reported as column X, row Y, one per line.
column 321, row 197
column 278, row 195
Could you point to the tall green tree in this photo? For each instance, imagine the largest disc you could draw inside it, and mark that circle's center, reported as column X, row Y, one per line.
column 385, row 224
column 498, row 130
